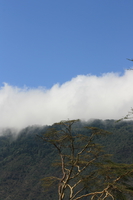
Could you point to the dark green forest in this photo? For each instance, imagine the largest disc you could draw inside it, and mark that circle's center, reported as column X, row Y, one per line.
column 25, row 160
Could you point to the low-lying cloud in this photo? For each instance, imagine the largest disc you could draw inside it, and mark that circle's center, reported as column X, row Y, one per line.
column 109, row 96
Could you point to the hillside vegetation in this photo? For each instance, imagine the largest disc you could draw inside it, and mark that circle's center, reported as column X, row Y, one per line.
column 26, row 160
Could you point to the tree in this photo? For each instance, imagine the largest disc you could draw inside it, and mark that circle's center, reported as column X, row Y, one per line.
column 130, row 59
column 128, row 116
column 86, row 171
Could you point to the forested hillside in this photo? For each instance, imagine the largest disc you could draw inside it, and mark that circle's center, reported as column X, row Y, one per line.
column 26, row 159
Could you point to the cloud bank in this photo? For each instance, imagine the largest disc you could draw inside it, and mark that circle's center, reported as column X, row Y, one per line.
column 109, row 96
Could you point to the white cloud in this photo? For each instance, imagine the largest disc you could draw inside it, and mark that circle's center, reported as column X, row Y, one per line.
column 109, row 96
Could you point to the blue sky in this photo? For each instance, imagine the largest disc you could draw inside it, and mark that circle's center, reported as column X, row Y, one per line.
column 65, row 60
column 47, row 42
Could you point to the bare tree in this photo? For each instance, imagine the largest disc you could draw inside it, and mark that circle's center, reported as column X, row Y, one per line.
column 86, row 171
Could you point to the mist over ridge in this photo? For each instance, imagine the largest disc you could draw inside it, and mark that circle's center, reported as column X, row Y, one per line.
column 109, row 96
